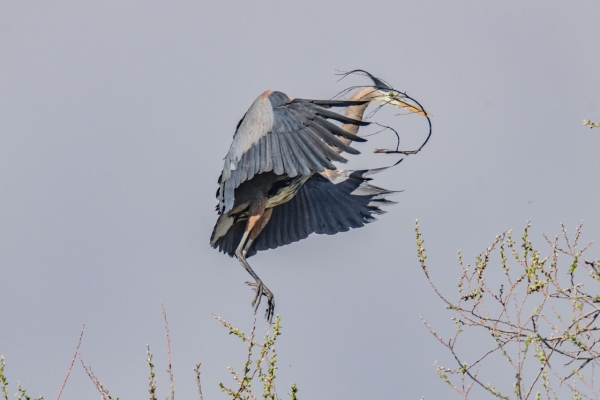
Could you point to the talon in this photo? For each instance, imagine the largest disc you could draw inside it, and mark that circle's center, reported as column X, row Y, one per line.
column 270, row 310
column 260, row 291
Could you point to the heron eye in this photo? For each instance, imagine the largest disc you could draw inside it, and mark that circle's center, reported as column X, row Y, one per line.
column 392, row 94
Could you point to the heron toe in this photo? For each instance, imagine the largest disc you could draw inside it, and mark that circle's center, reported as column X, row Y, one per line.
column 262, row 290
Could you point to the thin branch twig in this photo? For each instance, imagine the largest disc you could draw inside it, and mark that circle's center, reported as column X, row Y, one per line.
column 72, row 362
column 171, row 394
column 197, row 373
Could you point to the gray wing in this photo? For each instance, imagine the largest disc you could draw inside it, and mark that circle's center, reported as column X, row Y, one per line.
column 327, row 203
column 285, row 136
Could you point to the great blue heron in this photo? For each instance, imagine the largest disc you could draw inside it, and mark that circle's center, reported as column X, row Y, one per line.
column 279, row 183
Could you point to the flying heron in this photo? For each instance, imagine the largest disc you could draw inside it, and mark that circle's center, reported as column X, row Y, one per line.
column 279, row 183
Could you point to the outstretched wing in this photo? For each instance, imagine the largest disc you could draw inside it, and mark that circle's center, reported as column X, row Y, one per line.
column 285, row 136
column 327, row 203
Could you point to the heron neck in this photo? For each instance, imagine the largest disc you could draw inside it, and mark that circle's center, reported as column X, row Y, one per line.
column 357, row 112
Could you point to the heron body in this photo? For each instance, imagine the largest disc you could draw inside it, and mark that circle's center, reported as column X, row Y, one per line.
column 279, row 183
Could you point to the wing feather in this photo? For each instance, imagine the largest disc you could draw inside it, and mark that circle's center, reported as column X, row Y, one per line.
column 308, row 160
column 328, row 203
column 336, row 130
column 288, row 137
column 330, row 138
column 288, row 156
column 323, row 149
column 323, row 206
column 265, row 151
column 323, row 112
column 276, row 154
column 334, row 103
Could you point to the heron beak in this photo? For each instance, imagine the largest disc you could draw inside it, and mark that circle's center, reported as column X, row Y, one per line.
column 405, row 104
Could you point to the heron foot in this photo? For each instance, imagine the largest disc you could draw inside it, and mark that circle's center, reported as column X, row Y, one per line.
column 262, row 290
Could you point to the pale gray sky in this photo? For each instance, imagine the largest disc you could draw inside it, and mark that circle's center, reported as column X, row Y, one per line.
column 115, row 117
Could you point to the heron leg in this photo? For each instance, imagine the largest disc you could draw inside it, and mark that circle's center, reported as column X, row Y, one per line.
column 257, row 219
column 257, row 229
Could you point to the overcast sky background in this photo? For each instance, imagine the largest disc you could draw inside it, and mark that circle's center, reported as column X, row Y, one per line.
column 115, row 117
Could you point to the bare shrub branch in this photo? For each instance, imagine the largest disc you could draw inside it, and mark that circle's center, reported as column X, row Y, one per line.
column 535, row 312
column 21, row 392
column 3, row 380
column 263, row 366
column 152, row 379
column 97, row 384
column 197, row 373
column 72, row 362
column 171, row 394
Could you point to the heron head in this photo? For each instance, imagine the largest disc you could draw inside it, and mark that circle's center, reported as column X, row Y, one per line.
column 382, row 92
column 397, row 99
